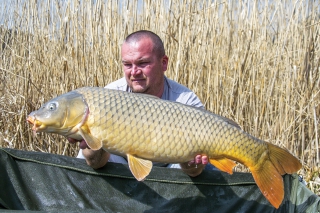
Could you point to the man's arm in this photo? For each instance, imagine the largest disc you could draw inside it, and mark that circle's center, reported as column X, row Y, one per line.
column 98, row 158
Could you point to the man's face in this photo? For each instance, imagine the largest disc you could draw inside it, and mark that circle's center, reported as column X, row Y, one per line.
column 143, row 69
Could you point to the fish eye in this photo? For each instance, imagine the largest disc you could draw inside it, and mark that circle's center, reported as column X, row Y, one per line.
column 52, row 106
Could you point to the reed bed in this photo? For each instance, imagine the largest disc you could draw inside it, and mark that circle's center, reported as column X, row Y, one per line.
column 256, row 62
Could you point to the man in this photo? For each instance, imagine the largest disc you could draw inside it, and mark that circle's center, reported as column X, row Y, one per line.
column 144, row 63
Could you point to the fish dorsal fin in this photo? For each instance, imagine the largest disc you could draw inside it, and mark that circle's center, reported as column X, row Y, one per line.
column 229, row 121
column 224, row 164
column 140, row 168
column 232, row 122
column 93, row 142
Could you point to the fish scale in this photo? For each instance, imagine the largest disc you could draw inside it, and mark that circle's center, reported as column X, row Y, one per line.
column 144, row 128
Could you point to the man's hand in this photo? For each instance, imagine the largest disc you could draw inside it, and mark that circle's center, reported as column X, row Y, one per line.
column 194, row 168
column 94, row 158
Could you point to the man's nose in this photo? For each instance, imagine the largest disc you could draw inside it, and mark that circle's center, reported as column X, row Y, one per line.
column 135, row 70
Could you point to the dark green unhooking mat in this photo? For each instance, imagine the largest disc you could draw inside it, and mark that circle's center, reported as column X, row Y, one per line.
column 35, row 181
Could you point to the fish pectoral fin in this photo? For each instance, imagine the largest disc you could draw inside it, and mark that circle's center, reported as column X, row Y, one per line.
column 224, row 164
column 93, row 142
column 140, row 168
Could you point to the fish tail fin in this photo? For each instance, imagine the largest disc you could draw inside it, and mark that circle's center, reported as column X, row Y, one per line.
column 268, row 174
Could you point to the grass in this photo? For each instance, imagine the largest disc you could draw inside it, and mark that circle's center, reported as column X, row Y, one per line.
column 255, row 63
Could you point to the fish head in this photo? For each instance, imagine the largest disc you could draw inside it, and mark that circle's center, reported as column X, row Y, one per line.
column 62, row 115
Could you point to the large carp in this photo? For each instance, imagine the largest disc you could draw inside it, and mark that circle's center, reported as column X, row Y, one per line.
column 144, row 128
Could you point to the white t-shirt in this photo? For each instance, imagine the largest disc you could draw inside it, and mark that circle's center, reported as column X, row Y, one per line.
column 173, row 91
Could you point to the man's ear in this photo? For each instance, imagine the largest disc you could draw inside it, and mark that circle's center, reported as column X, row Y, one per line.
column 165, row 60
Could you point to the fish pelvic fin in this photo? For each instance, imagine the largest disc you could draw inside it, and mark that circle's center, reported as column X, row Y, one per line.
column 224, row 164
column 268, row 174
column 93, row 142
column 140, row 168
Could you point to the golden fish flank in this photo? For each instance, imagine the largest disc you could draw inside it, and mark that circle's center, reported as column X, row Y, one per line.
column 144, row 128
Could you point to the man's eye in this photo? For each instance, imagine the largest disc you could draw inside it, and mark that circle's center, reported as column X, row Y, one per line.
column 143, row 63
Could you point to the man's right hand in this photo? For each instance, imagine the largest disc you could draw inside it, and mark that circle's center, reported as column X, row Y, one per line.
column 94, row 158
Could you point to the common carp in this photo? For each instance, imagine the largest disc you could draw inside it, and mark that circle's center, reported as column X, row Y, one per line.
column 144, row 128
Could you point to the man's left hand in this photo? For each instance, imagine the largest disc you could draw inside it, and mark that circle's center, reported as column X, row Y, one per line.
column 194, row 168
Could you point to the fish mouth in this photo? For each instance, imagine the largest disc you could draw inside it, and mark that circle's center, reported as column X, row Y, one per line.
column 36, row 124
